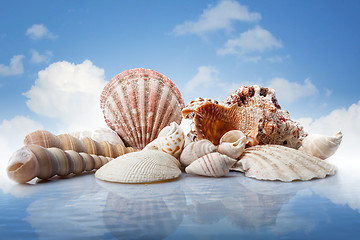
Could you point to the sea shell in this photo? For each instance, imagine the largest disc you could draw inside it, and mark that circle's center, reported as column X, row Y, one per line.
column 211, row 165
column 195, row 150
column 321, row 146
column 171, row 140
column 232, row 144
column 254, row 111
column 67, row 142
column 275, row 162
column 35, row 161
column 141, row 167
column 138, row 103
column 99, row 135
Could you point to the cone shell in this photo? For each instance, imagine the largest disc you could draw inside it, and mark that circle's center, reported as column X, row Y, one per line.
column 138, row 103
column 211, row 165
column 195, row 150
column 321, row 146
column 232, row 144
column 275, row 162
column 140, row 167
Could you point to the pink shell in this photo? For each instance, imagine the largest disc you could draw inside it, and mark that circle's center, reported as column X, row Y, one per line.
column 138, row 103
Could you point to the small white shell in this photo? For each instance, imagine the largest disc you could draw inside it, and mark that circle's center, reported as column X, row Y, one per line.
column 321, row 146
column 195, row 150
column 275, row 162
column 232, row 144
column 171, row 140
column 140, row 167
column 211, row 165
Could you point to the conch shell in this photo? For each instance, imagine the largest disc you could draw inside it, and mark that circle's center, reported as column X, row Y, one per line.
column 67, row 142
column 195, row 150
column 211, row 165
column 321, row 146
column 35, row 161
column 232, row 144
column 171, row 140
column 146, row 166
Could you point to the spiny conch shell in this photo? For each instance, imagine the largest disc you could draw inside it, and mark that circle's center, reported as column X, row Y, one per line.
column 195, row 150
column 141, row 167
column 232, row 144
column 138, row 103
column 99, row 135
column 35, row 161
column 211, row 165
column 321, row 146
column 171, row 140
column 276, row 162
column 67, row 142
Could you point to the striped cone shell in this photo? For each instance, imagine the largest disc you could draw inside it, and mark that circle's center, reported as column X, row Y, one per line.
column 138, row 103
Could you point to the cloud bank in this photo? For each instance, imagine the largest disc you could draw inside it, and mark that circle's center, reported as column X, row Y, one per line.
column 15, row 67
column 39, row 31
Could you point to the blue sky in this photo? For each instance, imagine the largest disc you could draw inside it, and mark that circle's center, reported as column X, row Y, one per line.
column 55, row 57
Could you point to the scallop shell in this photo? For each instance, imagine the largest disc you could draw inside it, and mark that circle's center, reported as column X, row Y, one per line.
column 195, row 150
column 275, row 162
column 232, row 144
column 171, row 140
column 211, row 165
column 140, row 167
column 321, row 146
column 99, row 135
column 138, row 103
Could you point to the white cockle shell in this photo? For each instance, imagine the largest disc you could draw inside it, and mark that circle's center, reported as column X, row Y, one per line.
column 211, row 165
column 171, row 140
column 321, row 146
column 195, row 150
column 141, row 167
column 276, row 162
column 232, row 143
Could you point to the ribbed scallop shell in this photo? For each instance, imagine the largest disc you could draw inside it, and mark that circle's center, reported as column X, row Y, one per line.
column 321, row 146
column 275, row 162
column 140, row 167
column 195, row 150
column 211, row 165
column 171, row 140
column 138, row 103
column 232, row 144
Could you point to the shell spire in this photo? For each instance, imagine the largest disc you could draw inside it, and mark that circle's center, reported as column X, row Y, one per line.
column 321, row 146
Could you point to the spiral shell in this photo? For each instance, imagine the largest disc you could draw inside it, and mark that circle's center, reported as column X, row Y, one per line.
column 67, row 142
column 321, row 146
column 171, row 140
column 141, row 167
column 232, row 144
column 211, row 165
column 138, row 103
column 35, row 161
column 195, row 150
column 99, row 135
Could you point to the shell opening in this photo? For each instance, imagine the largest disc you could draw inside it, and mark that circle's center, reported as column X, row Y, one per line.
column 15, row 167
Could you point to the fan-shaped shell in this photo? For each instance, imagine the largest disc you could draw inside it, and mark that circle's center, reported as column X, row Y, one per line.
column 321, row 146
column 138, row 103
column 195, row 150
column 211, row 165
column 140, row 167
column 232, row 144
column 171, row 140
column 275, row 162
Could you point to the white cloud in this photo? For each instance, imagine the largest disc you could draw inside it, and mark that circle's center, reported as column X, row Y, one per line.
column 69, row 93
column 287, row 91
column 218, row 17
column 15, row 68
column 205, row 76
column 36, row 57
column 277, row 59
column 254, row 40
column 39, row 31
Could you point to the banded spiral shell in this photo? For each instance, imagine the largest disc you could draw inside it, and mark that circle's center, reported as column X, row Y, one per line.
column 35, row 161
column 211, row 165
column 195, row 150
column 321, row 146
column 138, row 103
column 145, row 166
column 275, row 162
column 232, row 144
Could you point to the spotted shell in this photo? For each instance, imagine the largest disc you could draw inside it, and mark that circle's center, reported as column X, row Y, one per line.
column 321, row 146
column 139, row 103
column 275, row 162
column 232, row 144
column 140, row 167
column 195, row 150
